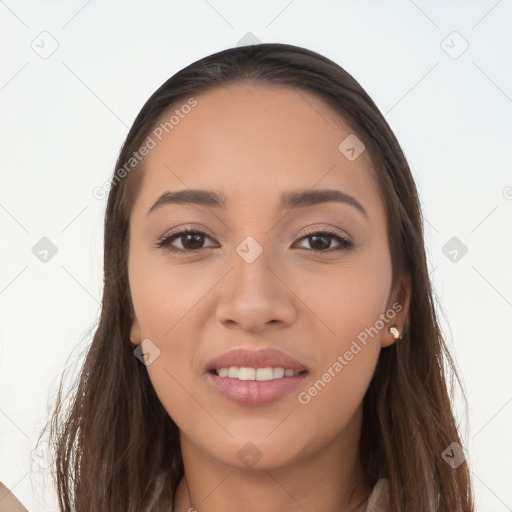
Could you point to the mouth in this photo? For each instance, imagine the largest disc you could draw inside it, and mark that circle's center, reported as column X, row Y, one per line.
column 253, row 363
column 256, row 374
column 255, row 378
column 245, row 389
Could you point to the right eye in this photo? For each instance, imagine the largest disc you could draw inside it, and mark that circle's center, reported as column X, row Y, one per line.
column 188, row 237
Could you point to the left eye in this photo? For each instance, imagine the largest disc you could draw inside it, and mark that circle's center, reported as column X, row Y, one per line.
column 192, row 240
column 325, row 238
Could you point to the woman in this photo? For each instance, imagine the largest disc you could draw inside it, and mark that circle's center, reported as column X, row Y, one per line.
column 268, row 338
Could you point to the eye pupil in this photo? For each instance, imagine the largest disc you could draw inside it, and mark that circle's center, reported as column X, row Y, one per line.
column 326, row 243
column 198, row 240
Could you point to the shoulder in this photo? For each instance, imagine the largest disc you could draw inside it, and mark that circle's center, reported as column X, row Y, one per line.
column 8, row 501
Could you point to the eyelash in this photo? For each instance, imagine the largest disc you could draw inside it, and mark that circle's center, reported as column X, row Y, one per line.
column 164, row 242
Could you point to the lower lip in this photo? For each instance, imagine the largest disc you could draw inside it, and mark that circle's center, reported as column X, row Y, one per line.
column 255, row 393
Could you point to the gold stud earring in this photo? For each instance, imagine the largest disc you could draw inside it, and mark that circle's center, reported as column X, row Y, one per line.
column 395, row 332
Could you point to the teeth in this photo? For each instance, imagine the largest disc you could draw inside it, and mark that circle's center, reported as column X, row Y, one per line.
column 264, row 374
column 246, row 373
column 278, row 373
column 259, row 374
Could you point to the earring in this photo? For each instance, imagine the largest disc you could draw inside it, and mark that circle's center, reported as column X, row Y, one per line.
column 395, row 332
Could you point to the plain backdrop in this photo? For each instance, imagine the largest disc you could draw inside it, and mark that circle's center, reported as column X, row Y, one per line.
column 75, row 74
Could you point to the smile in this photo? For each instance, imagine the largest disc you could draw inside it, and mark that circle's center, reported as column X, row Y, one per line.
column 253, row 387
column 259, row 374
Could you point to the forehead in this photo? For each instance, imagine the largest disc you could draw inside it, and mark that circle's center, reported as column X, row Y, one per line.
column 252, row 142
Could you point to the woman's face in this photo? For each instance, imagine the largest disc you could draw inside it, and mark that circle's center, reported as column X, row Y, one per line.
column 259, row 277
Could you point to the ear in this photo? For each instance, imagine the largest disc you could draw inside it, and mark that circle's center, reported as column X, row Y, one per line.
column 399, row 302
column 135, row 334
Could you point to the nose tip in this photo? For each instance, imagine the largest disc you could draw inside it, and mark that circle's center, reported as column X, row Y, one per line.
column 253, row 297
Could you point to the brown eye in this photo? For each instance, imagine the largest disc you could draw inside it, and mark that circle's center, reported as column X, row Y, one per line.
column 191, row 241
column 321, row 241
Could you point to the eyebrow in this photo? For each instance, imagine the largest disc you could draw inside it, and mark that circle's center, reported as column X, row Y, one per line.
column 288, row 200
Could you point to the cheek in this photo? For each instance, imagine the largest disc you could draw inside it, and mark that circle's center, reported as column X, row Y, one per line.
column 348, row 353
column 172, row 384
column 346, row 301
column 165, row 297
column 166, row 303
column 348, row 305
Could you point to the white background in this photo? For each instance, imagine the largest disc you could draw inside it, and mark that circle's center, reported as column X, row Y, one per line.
column 64, row 118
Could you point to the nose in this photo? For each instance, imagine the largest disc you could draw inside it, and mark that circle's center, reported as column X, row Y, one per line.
column 256, row 295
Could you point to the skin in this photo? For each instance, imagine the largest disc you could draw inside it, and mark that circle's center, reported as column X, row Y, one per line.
column 252, row 142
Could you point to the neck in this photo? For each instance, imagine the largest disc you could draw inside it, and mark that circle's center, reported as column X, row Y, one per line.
column 329, row 480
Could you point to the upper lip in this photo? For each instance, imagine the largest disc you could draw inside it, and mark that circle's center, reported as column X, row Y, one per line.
column 264, row 358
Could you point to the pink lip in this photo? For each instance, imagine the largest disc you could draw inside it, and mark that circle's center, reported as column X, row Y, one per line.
column 243, row 358
column 255, row 393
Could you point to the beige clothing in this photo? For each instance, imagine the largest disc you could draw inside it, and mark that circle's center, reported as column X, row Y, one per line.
column 378, row 500
column 9, row 502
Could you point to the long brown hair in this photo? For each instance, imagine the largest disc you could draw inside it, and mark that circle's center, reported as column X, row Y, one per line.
column 116, row 447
